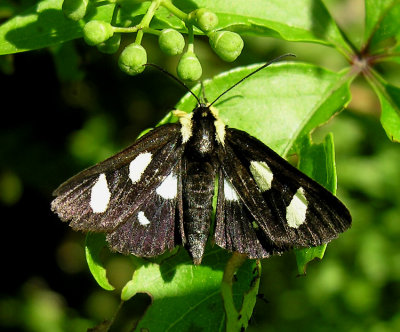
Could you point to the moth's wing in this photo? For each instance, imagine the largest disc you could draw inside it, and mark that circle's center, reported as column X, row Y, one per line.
column 236, row 229
column 102, row 197
column 291, row 209
column 154, row 226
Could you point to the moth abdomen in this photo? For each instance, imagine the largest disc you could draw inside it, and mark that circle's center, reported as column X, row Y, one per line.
column 197, row 195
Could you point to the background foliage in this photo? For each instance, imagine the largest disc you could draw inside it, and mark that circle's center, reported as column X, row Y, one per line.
column 68, row 106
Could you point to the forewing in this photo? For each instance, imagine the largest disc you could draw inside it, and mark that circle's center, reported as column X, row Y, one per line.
column 154, row 227
column 291, row 209
column 107, row 194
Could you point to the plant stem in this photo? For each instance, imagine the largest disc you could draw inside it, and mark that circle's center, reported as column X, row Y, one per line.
column 115, row 315
column 139, row 37
column 190, row 48
column 143, row 26
column 136, row 28
column 149, row 14
column 174, row 10
column 232, row 266
column 234, row 263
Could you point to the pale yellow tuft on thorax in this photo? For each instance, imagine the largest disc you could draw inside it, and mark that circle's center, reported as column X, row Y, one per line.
column 219, row 126
column 185, row 120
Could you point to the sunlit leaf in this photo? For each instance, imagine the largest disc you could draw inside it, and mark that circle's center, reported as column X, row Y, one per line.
column 94, row 244
column 389, row 96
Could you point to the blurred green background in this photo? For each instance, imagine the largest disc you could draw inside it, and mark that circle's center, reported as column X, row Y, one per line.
column 67, row 107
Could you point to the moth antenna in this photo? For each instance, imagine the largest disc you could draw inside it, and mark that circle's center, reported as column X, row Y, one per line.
column 251, row 74
column 173, row 77
column 203, row 92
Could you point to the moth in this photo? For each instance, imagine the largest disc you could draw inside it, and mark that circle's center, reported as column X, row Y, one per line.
column 158, row 194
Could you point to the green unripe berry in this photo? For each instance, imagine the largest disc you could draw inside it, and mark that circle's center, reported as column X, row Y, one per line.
column 111, row 45
column 189, row 67
column 171, row 42
column 96, row 32
column 204, row 19
column 132, row 59
column 75, row 9
column 227, row 44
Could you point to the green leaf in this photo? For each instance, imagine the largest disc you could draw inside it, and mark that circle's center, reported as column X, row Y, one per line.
column 389, row 96
column 300, row 20
column 186, row 297
column 306, row 255
column 318, row 162
column 390, row 116
column 278, row 105
column 44, row 25
column 382, row 24
column 95, row 242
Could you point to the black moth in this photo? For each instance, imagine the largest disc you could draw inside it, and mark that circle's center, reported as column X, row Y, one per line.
column 158, row 193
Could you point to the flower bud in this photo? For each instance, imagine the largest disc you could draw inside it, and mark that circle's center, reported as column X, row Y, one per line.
column 204, row 19
column 171, row 42
column 227, row 44
column 96, row 32
column 75, row 9
column 111, row 45
column 132, row 59
column 189, row 67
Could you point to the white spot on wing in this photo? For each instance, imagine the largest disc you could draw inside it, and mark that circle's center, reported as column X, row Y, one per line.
column 100, row 195
column 262, row 174
column 296, row 211
column 168, row 188
column 143, row 219
column 230, row 192
column 138, row 166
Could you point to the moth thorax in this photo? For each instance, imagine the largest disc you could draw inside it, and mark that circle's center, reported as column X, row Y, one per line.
column 202, row 142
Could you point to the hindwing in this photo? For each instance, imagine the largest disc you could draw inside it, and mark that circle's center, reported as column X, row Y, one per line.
column 154, row 227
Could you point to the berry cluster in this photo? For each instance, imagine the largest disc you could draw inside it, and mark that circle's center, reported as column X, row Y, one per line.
column 107, row 36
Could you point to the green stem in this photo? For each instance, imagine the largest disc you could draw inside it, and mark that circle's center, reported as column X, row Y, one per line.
column 136, row 28
column 126, row 30
column 190, row 48
column 149, row 14
column 232, row 314
column 115, row 315
column 122, row 1
column 174, row 10
column 106, row 1
column 232, row 266
column 139, row 37
column 383, row 57
column 115, row 14
column 143, row 26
